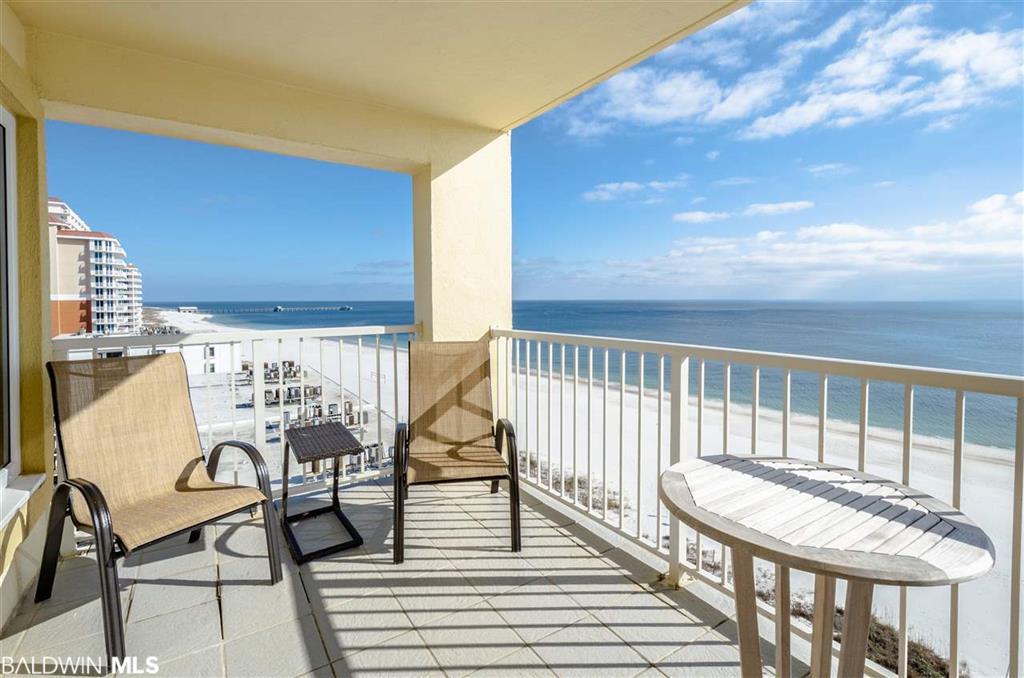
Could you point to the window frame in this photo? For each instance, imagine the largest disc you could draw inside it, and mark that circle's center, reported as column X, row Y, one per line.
column 10, row 455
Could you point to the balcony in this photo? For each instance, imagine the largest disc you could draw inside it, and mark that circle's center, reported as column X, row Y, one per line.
column 568, row 602
column 591, row 590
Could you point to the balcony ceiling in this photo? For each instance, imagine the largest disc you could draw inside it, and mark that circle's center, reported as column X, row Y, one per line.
column 496, row 65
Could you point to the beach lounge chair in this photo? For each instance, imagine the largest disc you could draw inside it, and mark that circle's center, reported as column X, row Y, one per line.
column 131, row 470
column 452, row 436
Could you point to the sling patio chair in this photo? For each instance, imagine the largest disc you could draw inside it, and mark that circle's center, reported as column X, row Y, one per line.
column 131, row 470
column 452, row 436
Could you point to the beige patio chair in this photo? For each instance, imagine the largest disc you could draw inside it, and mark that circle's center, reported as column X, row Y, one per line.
column 128, row 445
column 452, row 436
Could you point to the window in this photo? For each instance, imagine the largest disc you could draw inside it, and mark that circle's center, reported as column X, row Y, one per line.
column 209, row 351
column 9, row 382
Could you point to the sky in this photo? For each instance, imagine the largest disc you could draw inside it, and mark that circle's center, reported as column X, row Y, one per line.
column 794, row 150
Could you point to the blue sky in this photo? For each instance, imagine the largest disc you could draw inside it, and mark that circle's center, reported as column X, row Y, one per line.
column 793, row 150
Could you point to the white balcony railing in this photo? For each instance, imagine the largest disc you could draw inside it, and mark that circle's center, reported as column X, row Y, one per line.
column 598, row 419
column 348, row 373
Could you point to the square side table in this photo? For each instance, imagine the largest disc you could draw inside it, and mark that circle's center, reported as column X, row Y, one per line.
column 331, row 440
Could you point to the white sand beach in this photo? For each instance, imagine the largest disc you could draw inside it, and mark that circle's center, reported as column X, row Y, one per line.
column 987, row 478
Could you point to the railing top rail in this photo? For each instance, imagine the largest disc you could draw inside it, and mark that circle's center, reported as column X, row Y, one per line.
column 115, row 341
column 978, row 382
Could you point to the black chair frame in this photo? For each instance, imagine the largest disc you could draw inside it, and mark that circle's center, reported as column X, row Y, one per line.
column 504, row 432
column 109, row 548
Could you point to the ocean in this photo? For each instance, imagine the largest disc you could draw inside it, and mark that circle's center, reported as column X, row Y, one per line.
column 972, row 336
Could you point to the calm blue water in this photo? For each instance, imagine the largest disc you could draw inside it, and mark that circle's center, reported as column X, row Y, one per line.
column 973, row 336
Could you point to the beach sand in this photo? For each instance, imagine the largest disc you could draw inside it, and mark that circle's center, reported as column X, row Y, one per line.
column 987, row 472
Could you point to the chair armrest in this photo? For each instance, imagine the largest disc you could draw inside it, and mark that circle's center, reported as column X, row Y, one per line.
column 99, row 512
column 506, row 432
column 401, row 448
column 262, row 475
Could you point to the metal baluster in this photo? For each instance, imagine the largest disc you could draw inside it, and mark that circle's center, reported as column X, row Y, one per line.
column 786, row 408
column 209, row 399
column 822, row 415
column 551, row 350
column 755, row 398
column 700, row 450
column 726, row 389
column 526, row 409
column 515, row 345
column 259, row 434
column 341, row 405
column 302, row 384
column 359, row 397
column 231, row 386
column 726, row 379
column 590, row 430
column 575, row 429
column 604, row 438
column 536, row 386
column 622, row 434
column 561, row 420
column 862, row 436
column 280, row 400
column 380, row 412
column 660, row 466
column 700, row 407
column 639, row 438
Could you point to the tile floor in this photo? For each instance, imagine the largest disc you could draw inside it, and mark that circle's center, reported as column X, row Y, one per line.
column 461, row 604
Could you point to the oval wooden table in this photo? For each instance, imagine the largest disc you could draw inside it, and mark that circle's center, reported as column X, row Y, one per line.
column 828, row 520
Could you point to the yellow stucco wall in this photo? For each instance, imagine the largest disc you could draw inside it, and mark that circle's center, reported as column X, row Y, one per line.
column 462, row 238
column 17, row 94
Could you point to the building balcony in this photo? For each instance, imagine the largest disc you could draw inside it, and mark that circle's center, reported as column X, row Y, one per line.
column 593, row 590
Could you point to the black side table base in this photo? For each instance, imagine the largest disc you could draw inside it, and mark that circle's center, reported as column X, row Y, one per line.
column 298, row 554
column 302, row 557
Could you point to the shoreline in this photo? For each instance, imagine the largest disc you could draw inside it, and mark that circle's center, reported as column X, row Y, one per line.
column 190, row 323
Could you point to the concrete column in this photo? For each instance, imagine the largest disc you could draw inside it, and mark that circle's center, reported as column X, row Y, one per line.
column 462, row 236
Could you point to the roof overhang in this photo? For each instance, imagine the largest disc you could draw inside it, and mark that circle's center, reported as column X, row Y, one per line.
column 492, row 65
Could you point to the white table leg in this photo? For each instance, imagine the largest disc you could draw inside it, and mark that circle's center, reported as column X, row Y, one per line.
column 782, row 626
column 824, row 615
column 746, row 613
column 856, row 618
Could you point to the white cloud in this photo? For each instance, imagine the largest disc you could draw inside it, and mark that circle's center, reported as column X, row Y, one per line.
column 699, row 217
column 646, row 190
column 830, row 168
column 611, row 191
column 771, row 208
column 985, row 245
column 884, row 184
column 903, row 67
column 711, row 155
column 883, row 63
column 735, row 181
column 698, row 200
column 846, row 232
column 751, row 93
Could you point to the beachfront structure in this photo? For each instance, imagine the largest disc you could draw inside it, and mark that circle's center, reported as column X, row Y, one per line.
column 133, row 285
column 606, row 580
column 93, row 288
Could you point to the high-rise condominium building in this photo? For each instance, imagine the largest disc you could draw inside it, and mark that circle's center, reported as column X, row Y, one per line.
column 92, row 286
